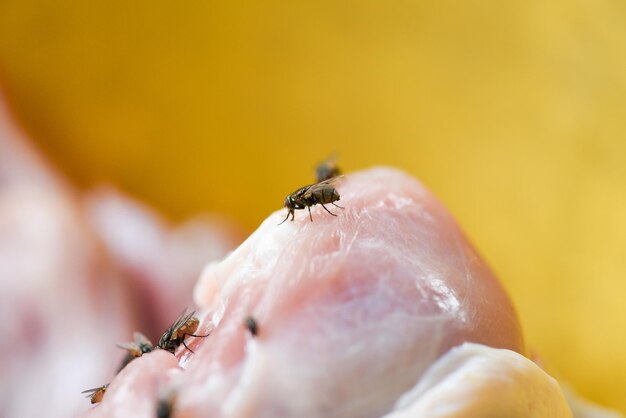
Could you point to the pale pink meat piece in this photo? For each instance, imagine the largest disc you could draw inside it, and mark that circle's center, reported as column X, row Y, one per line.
column 137, row 385
column 70, row 288
column 60, row 300
column 159, row 261
column 351, row 309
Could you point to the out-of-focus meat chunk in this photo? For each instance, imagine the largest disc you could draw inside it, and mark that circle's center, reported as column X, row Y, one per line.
column 61, row 302
column 67, row 293
column 139, row 384
column 159, row 262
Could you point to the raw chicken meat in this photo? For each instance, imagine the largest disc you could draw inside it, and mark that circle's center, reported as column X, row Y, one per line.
column 351, row 310
column 364, row 315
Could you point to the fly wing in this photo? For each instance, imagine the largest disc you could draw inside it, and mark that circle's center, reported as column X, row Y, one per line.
column 334, row 180
column 91, row 392
column 170, row 333
column 132, row 348
column 315, row 188
column 182, row 319
column 301, row 191
column 141, row 339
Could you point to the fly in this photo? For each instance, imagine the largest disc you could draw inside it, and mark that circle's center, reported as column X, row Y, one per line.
column 321, row 193
column 140, row 346
column 328, row 169
column 184, row 326
column 252, row 326
column 96, row 394
column 165, row 406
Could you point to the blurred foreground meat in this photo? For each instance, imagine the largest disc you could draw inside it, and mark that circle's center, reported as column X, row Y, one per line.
column 69, row 291
column 160, row 264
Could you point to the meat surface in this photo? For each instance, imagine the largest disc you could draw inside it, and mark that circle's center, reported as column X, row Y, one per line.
column 473, row 380
column 351, row 310
column 70, row 286
column 59, row 299
column 355, row 316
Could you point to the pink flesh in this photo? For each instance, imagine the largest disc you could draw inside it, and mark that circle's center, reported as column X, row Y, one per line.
column 138, row 384
column 351, row 309
column 160, row 264
column 59, row 299
column 70, row 288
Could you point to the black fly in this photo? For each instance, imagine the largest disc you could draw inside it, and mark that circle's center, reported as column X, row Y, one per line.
column 328, row 169
column 165, row 406
column 140, row 346
column 252, row 326
column 184, row 326
column 311, row 195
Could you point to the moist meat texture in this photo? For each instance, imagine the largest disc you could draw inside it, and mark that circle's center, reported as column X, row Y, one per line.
column 352, row 310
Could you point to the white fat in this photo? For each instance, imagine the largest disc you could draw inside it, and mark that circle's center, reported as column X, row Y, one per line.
column 474, row 380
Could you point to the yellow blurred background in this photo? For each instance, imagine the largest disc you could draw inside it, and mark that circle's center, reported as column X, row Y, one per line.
column 513, row 113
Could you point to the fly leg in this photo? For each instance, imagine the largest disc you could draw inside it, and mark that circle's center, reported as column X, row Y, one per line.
column 289, row 212
column 327, row 209
column 192, row 335
column 285, row 219
column 188, row 347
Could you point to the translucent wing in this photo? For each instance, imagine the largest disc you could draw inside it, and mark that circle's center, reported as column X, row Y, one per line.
column 140, row 345
column 132, row 348
column 332, row 181
column 96, row 393
column 180, row 321
column 90, row 392
column 314, row 188
column 141, row 339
